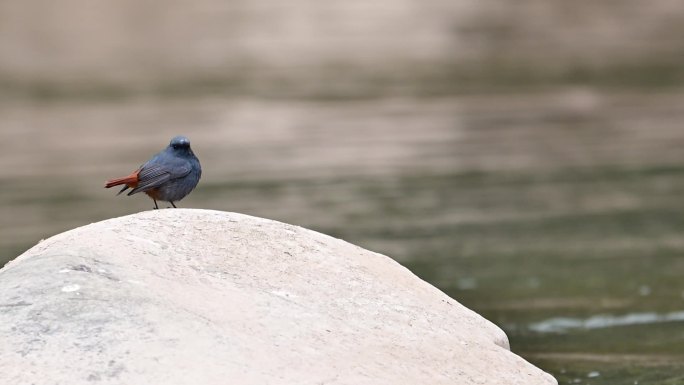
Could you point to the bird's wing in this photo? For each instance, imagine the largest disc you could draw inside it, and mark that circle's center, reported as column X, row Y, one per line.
column 154, row 175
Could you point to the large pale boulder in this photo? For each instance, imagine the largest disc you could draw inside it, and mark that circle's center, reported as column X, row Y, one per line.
column 205, row 297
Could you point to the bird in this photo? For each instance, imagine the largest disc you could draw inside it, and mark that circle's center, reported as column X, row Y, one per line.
column 168, row 176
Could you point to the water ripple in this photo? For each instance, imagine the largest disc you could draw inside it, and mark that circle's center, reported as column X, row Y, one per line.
column 565, row 324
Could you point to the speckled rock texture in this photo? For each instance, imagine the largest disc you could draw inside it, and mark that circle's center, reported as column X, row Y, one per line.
column 179, row 296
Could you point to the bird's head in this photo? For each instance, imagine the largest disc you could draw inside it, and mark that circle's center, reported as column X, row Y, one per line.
column 180, row 145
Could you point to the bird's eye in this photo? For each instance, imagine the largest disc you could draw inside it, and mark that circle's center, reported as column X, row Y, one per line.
column 175, row 146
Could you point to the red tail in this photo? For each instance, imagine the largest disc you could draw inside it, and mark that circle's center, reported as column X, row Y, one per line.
column 130, row 181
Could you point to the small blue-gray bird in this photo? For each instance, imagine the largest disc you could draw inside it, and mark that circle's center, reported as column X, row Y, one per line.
column 169, row 176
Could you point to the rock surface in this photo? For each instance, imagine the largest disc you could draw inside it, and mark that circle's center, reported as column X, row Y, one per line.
column 206, row 297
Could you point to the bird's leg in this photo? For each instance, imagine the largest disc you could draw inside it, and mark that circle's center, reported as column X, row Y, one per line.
column 155, row 204
column 174, row 206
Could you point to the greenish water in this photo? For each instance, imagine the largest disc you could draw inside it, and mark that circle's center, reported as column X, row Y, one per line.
column 562, row 225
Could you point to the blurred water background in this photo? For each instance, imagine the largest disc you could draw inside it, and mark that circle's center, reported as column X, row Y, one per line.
column 525, row 157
